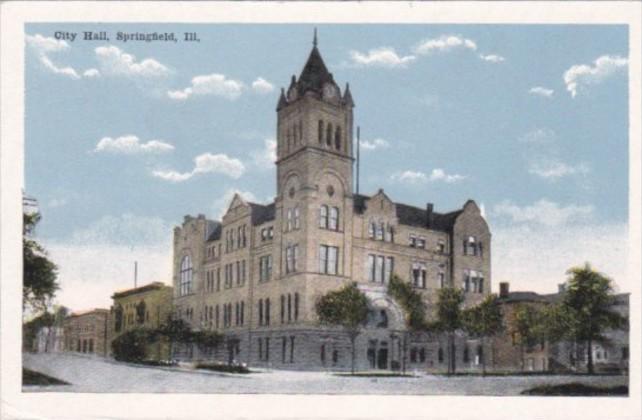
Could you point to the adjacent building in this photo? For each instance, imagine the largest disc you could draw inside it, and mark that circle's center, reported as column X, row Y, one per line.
column 86, row 332
column 256, row 274
column 148, row 306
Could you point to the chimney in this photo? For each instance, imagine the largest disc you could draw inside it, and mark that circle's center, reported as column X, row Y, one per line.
column 429, row 214
column 503, row 289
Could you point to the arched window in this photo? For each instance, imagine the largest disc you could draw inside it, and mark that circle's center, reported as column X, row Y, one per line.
column 323, row 216
column 186, row 276
column 333, row 223
column 320, row 131
column 140, row 312
column 337, row 138
column 300, row 132
column 328, row 135
column 296, row 306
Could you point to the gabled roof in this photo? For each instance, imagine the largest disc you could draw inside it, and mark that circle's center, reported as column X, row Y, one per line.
column 414, row 216
column 262, row 213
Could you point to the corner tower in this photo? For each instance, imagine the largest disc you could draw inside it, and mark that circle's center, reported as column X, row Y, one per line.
column 314, row 124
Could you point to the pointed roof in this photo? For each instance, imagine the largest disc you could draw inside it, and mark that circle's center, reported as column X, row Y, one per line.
column 314, row 74
column 282, row 100
column 347, row 96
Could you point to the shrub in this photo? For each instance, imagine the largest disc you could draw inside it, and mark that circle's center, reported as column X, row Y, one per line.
column 223, row 368
column 131, row 346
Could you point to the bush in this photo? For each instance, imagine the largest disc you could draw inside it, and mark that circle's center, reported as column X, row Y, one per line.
column 131, row 346
column 217, row 367
column 165, row 363
column 577, row 389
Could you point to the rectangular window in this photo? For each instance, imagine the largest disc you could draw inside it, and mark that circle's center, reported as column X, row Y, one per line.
column 371, row 265
column 296, row 306
column 412, row 241
column 389, row 234
column 380, row 229
column 288, row 226
column 333, row 223
column 390, row 263
column 239, row 279
column 421, row 242
column 419, row 275
column 270, row 232
column 283, row 348
column 267, row 311
column 441, row 279
column 260, row 311
column 282, row 309
column 297, row 218
column 323, row 217
column 379, row 269
column 291, row 257
column 371, row 230
column 328, row 256
column 291, row 349
column 218, row 279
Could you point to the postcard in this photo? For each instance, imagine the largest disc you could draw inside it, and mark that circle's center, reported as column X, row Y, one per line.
column 321, row 210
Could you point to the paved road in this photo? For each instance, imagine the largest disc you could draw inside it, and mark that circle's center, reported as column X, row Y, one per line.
column 88, row 374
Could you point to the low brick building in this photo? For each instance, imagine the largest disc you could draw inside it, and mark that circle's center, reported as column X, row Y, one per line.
column 86, row 332
column 147, row 306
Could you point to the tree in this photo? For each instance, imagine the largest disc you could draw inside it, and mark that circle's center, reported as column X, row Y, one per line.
column 30, row 329
column 449, row 319
column 413, row 306
column 131, row 346
column 484, row 320
column 588, row 302
column 346, row 308
column 526, row 328
column 39, row 273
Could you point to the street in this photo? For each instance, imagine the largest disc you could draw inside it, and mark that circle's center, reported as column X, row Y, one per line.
column 93, row 374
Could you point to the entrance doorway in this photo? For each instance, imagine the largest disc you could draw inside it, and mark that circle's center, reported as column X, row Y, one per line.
column 377, row 354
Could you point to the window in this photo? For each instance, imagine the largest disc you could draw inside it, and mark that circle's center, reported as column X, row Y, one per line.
column 371, row 230
column 265, row 268
column 260, row 311
column 440, row 355
column 296, row 306
column 282, row 309
column 390, row 234
column 421, row 242
column 297, row 218
column 289, row 307
column 186, row 276
column 380, row 268
column 320, row 132
column 412, row 241
column 473, row 281
column 270, row 232
column 466, row 356
column 380, row 229
column 263, row 234
column 217, row 316
column 337, row 138
column 328, row 135
column 323, row 216
column 289, row 220
column 239, row 279
column 218, row 279
column 441, row 247
column 291, row 257
column 472, row 247
column 333, row 223
column 328, row 256
column 441, row 278
column 284, row 343
column 267, row 311
column 291, row 349
column 419, row 275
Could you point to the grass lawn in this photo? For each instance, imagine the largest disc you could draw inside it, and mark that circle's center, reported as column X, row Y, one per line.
column 29, row 377
column 577, row 389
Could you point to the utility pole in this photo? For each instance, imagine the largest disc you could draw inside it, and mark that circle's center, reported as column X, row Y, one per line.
column 358, row 155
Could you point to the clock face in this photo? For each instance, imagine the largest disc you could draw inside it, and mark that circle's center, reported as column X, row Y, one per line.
column 329, row 91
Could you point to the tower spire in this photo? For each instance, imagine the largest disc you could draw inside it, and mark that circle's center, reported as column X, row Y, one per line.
column 314, row 41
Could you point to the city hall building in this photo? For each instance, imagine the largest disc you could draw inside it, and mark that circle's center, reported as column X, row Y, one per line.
column 256, row 274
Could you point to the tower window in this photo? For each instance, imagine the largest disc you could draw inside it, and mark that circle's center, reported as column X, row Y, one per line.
column 320, row 131
column 186, row 276
column 333, row 222
column 323, row 216
column 337, row 138
column 328, row 135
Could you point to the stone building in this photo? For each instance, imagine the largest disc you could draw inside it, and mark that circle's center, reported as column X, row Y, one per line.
column 50, row 340
column 86, row 332
column 256, row 274
column 147, row 306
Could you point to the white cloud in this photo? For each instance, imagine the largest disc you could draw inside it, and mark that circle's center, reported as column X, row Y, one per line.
column 541, row 91
column 543, row 213
column 211, row 84
column 222, row 203
column 553, row 169
column 56, row 202
column 374, row 144
column 114, row 61
column 437, row 175
column 262, row 86
column 206, row 163
column 130, row 144
column 578, row 76
column 445, row 43
column 91, row 73
column 493, row 58
column 381, row 57
column 43, row 45
column 66, row 71
column 265, row 157
column 537, row 257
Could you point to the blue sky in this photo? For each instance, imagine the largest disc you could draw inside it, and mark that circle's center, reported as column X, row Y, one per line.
column 529, row 120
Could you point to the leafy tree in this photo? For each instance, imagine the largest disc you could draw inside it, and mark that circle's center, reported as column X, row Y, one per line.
column 346, row 308
column 526, row 328
column 413, row 306
column 30, row 329
column 588, row 302
column 206, row 340
column 449, row 319
column 131, row 346
column 484, row 320
column 39, row 273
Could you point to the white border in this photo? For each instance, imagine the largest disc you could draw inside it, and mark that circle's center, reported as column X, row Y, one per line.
column 13, row 15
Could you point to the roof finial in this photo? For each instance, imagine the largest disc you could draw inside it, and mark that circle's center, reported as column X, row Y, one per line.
column 314, row 41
